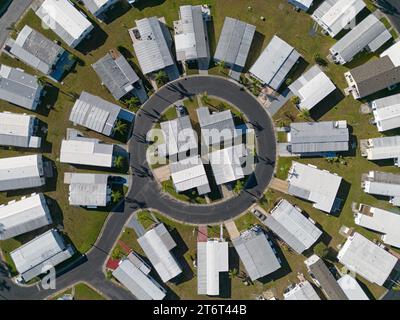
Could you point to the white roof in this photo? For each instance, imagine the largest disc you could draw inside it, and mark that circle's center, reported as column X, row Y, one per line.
column 387, row 112
column 367, row 259
column 383, row 148
column 87, row 152
column 275, row 62
column 312, row 87
column 142, row 286
column 17, row 130
column 393, row 53
column 301, row 291
column 88, row 189
column 352, row 288
column 226, row 163
column 338, row 14
column 212, row 259
column 156, row 244
column 62, row 14
column 188, row 174
column 25, row 215
column 315, row 185
column 382, row 221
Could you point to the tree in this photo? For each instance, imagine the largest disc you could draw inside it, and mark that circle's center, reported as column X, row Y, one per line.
column 265, row 199
column 116, row 196
column 204, row 98
column 239, row 186
column 233, row 273
column 119, row 162
column 120, row 127
column 321, row 250
column 222, row 66
column 132, row 102
column 295, row 100
column 42, row 81
column 304, row 114
column 161, row 78
column 288, row 81
column 318, row 60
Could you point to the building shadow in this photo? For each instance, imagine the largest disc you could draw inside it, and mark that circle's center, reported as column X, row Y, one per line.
column 255, row 50
column 48, row 100
column 117, row 11
column 326, row 104
column 141, row 5
column 96, row 38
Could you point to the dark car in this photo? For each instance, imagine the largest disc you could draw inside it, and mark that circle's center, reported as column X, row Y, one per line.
column 181, row 110
column 259, row 214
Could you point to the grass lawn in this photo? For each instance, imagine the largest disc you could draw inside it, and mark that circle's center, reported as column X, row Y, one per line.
column 81, row 291
column 187, row 196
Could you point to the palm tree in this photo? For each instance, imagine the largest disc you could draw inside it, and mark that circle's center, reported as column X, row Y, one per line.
column 204, row 98
column 295, row 100
column 264, row 200
column 233, row 273
column 161, row 78
column 119, row 162
column 222, row 66
column 120, row 127
column 132, row 102
column 116, row 196
column 304, row 114
column 239, row 186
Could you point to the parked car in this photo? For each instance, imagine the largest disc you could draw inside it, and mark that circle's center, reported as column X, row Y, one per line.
column 181, row 110
column 259, row 214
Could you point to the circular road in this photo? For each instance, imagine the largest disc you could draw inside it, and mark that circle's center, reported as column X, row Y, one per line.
column 145, row 191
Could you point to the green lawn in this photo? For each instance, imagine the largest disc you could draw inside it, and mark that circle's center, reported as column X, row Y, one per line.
column 81, row 291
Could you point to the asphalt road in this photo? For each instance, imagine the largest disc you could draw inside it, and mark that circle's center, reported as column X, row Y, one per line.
column 13, row 13
column 145, row 191
column 392, row 9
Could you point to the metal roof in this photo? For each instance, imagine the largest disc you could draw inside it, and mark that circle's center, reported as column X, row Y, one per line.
column 226, row 163
column 48, row 249
column 302, row 4
column 289, row 224
column 87, row 189
column 334, row 15
column 312, row 87
column 301, row 291
column 36, row 50
column 320, row 271
column 393, row 53
column 310, row 183
column 375, row 75
column 383, row 148
column 77, row 149
column 385, row 222
column 234, row 42
column 19, row 88
column 387, row 112
column 116, row 74
column 352, row 288
column 188, row 174
column 256, row 253
column 157, row 244
column 95, row 113
column 65, row 20
column 98, row 6
column 367, row 259
column 152, row 50
column 382, row 183
column 21, row 172
column 192, row 42
column 274, row 63
column 179, row 137
column 25, row 215
column 140, row 284
column 18, row 130
column 314, row 137
column 212, row 258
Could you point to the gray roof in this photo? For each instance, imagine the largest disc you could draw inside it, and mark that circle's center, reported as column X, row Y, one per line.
column 301, row 291
column 274, row 63
column 320, row 271
column 179, row 137
column 22, row 216
column 48, row 249
column 382, row 183
column 383, row 148
column 216, row 126
column 19, row 88
column 387, row 112
column 95, row 113
column 139, row 283
column 116, row 74
column 21, row 172
column 36, row 50
column 193, row 28
column 234, row 42
column 370, row 33
column 289, row 224
column 87, row 189
column 157, row 244
column 256, row 253
column 97, row 6
column 375, row 75
column 314, row 137
column 65, row 20
column 152, row 50
column 18, row 130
